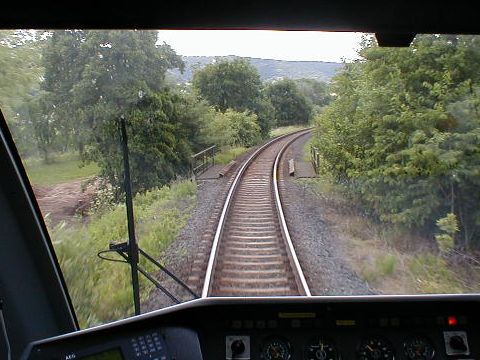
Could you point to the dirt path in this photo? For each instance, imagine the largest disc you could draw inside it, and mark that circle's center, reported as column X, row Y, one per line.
column 62, row 202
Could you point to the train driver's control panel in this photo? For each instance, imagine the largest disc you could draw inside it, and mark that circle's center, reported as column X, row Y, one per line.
column 317, row 328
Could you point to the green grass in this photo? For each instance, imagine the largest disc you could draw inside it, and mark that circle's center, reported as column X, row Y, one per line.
column 392, row 259
column 307, row 156
column 286, row 130
column 229, row 154
column 432, row 274
column 101, row 290
column 65, row 167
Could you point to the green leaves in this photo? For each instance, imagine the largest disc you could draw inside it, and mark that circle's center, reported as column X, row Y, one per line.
column 403, row 132
column 232, row 128
column 229, row 84
column 290, row 105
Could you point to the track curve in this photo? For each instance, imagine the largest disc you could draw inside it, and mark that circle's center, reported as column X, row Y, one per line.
column 252, row 253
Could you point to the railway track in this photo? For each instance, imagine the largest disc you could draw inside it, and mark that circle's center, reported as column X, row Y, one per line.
column 252, row 253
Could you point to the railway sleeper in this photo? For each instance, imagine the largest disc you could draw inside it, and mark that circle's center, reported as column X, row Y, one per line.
column 239, row 291
column 255, row 283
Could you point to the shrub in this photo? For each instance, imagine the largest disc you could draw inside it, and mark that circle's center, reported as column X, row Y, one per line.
column 232, row 128
column 449, row 227
column 101, row 290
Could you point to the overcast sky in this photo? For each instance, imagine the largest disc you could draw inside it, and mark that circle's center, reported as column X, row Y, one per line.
column 281, row 45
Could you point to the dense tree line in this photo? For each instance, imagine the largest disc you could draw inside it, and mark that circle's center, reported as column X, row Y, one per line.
column 404, row 135
column 20, row 76
column 67, row 90
column 236, row 85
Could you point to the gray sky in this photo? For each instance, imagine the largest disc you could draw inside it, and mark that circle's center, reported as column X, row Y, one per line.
column 266, row 44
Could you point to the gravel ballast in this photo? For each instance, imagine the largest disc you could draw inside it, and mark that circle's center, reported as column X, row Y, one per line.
column 318, row 248
column 182, row 253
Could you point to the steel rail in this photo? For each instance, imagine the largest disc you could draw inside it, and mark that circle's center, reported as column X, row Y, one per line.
column 222, row 222
column 298, row 273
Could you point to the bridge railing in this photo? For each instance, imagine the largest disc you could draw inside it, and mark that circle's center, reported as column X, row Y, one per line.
column 315, row 158
column 203, row 160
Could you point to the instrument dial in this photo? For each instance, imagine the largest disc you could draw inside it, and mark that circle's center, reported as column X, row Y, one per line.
column 319, row 348
column 276, row 348
column 375, row 348
column 419, row 348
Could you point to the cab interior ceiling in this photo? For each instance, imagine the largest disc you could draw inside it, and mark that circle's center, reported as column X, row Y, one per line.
column 394, row 23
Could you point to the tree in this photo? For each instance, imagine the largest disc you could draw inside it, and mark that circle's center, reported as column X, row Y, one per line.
column 265, row 112
column 40, row 115
column 290, row 106
column 64, row 61
column 94, row 75
column 20, row 76
column 93, row 78
column 160, row 126
column 229, row 84
column 404, row 132
column 316, row 91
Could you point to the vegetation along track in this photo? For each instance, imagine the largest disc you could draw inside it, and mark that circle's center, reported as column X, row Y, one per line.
column 252, row 253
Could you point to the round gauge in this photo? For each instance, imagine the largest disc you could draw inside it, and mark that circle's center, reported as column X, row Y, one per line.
column 418, row 348
column 276, row 348
column 319, row 348
column 375, row 348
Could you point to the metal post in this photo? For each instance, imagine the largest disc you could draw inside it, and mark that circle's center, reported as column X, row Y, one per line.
column 132, row 241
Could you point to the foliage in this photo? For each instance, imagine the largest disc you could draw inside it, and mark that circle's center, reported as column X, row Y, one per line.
column 403, row 133
column 159, row 129
column 235, row 85
column 232, row 128
column 448, row 227
column 265, row 112
column 20, row 77
column 229, row 84
column 90, row 78
column 101, row 290
column 290, row 106
column 317, row 92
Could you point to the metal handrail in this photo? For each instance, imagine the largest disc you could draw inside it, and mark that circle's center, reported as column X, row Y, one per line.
column 206, row 158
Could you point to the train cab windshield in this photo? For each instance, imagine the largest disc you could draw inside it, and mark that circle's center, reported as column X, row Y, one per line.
column 173, row 165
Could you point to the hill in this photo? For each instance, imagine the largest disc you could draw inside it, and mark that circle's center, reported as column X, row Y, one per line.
column 269, row 69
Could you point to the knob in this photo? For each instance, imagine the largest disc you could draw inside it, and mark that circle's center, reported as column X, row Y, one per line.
column 238, row 347
column 457, row 343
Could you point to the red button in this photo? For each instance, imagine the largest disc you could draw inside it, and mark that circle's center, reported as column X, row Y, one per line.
column 452, row 321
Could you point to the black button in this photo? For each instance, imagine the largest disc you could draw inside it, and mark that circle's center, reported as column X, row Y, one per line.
column 457, row 343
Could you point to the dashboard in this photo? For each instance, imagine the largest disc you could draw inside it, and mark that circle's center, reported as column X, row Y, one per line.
column 315, row 328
